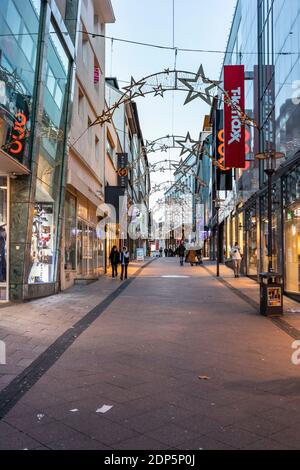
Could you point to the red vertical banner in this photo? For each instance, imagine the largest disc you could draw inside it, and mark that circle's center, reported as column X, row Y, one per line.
column 234, row 129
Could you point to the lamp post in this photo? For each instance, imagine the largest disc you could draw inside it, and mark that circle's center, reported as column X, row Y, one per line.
column 217, row 203
column 271, row 297
column 271, row 156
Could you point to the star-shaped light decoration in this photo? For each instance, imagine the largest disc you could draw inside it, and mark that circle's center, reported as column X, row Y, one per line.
column 164, row 148
column 188, row 145
column 106, row 116
column 159, row 90
column 135, row 88
column 197, row 87
column 150, row 146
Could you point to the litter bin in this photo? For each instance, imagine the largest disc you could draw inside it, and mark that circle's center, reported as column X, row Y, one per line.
column 271, row 297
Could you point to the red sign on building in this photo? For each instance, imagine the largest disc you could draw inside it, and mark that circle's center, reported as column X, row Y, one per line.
column 234, row 130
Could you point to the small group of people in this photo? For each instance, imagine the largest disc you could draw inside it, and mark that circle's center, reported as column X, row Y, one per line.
column 192, row 256
column 169, row 253
column 116, row 257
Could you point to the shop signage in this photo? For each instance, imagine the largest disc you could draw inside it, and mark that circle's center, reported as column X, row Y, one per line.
column 18, row 134
column 114, row 196
column 234, row 135
column 297, row 212
column 140, row 254
column 224, row 178
column 122, row 169
column 274, row 297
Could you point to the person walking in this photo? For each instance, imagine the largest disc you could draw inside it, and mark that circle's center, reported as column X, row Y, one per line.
column 166, row 252
column 160, row 252
column 236, row 257
column 124, row 259
column 181, row 252
column 114, row 260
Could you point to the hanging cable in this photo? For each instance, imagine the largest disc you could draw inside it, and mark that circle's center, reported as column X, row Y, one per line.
column 158, row 46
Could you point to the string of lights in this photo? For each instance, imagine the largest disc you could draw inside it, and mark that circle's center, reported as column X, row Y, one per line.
column 159, row 46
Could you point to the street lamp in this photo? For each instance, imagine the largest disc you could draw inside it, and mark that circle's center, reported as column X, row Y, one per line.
column 217, row 203
column 271, row 298
column 271, row 156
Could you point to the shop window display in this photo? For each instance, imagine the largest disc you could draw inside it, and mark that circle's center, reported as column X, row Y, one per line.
column 50, row 161
column 42, row 247
column 292, row 250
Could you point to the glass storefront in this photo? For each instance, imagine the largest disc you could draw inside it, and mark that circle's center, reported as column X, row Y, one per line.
column 50, row 162
column 89, row 250
column 42, row 245
column 292, row 249
column 291, row 201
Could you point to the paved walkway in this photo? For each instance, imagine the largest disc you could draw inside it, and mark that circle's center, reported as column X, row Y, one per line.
column 29, row 329
column 183, row 361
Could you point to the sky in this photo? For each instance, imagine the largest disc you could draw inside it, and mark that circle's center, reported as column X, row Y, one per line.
column 200, row 24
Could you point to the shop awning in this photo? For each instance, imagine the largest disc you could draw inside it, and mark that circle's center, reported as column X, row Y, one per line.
column 9, row 166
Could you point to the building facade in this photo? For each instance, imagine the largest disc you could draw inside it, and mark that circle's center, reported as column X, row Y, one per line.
column 265, row 38
column 125, row 137
column 83, row 251
column 37, row 52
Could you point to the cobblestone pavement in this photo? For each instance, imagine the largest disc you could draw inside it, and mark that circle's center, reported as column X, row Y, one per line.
column 184, row 362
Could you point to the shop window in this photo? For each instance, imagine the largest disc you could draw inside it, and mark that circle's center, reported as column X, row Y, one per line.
column 110, row 147
column 292, row 250
column 50, row 162
column 13, row 18
column 42, row 246
column 70, row 232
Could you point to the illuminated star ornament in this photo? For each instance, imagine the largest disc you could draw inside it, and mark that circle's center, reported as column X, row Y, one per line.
column 135, row 88
column 159, row 91
column 188, row 145
column 105, row 117
column 197, row 87
column 150, row 146
column 164, row 148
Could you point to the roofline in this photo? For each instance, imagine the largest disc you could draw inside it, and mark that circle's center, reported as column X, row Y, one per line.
column 105, row 9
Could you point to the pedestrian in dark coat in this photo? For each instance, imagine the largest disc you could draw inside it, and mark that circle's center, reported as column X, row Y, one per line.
column 124, row 259
column 115, row 260
column 181, row 252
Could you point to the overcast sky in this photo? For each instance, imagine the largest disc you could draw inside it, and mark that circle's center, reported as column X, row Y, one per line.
column 200, row 24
